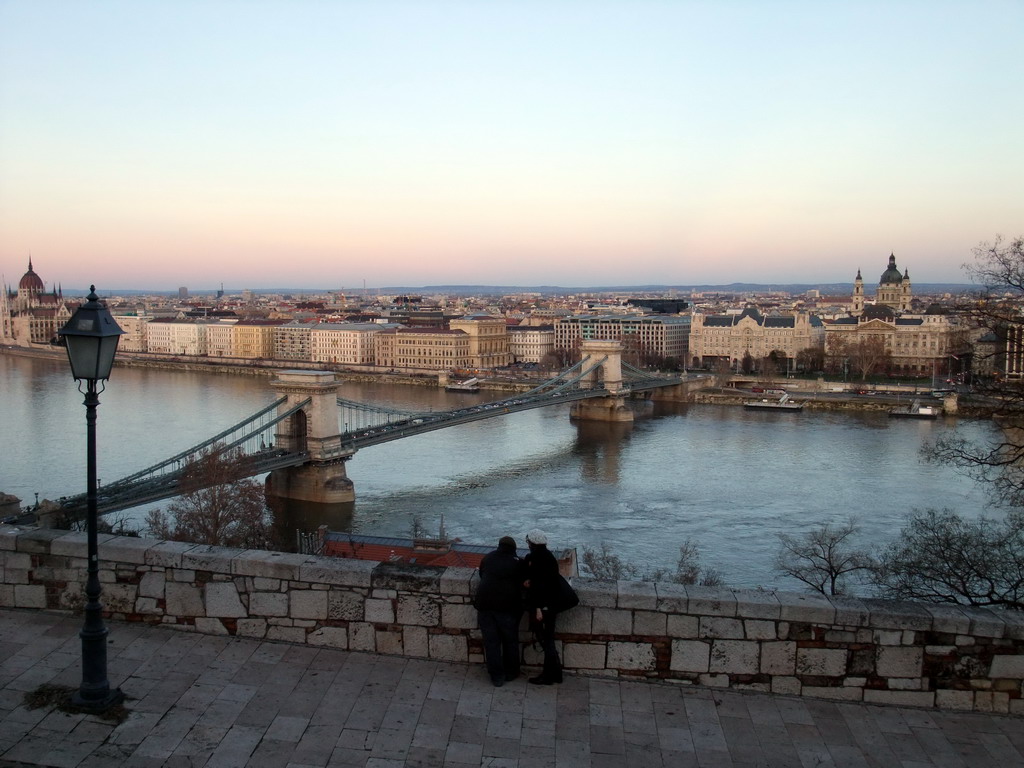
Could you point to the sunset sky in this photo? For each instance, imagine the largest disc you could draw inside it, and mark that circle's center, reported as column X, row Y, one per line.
column 317, row 143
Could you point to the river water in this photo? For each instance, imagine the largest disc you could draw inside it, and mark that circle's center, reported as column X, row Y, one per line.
column 729, row 479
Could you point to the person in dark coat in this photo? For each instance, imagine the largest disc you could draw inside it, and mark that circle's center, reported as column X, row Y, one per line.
column 541, row 600
column 499, row 604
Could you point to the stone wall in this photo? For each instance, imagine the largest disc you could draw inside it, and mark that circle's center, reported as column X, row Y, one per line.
column 945, row 656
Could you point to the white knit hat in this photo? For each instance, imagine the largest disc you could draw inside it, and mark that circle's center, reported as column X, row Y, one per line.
column 537, row 536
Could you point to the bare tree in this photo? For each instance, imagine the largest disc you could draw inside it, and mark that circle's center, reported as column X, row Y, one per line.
column 218, row 505
column 810, row 359
column 822, row 558
column 604, row 564
column 1000, row 268
column 690, row 570
column 869, row 355
column 942, row 557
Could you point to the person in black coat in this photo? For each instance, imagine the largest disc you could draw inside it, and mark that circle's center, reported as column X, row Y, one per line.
column 542, row 601
column 499, row 604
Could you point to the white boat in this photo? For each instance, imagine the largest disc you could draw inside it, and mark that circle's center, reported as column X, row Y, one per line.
column 784, row 403
column 916, row 411
column 469, row 385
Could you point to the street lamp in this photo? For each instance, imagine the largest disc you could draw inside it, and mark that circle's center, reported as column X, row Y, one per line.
column 91, row 337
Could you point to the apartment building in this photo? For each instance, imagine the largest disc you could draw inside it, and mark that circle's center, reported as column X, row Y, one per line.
column 645, row 338
column 731, row 338
column 530, row 344
column 488, row 340
column 432, row 349
column 346, row 343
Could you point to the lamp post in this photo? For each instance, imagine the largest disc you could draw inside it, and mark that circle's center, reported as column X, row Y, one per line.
column 91, row 337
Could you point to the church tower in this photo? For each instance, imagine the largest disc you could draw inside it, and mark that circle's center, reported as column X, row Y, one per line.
column 858, row 294
column 892, row 292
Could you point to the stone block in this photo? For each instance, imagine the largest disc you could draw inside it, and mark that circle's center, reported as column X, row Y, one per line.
column 758, row 629
column 9, row 537
column 833, row 692
column 390, row 642
column 260, row 584
column 757, row 604
column 119, row 598
column 448, row 648
column 1008, row 666
column 329, row 637
column 633, row 656
column 211, row 626
column 268, row 604
column 806, row 608
column 362, row 637
column 821, row 662
column 637, row 594
column 29, row 596
column 898, row 614
column 778, row 658
column 840, row 636
column 308, row 604
column 950, row 699
column 948, row 618
column 985, row 622
column 578, row 621
column 252, row 628
column 208, row 558
column 649, row 623
column 786, row 686
column 152, row 584
column 147, row 605
column 596, row 593
column 183, row 600
column 850, row 611
column 7, row 596
column 900, row 698
column 270, row 565
column 463, row 616
column 906, row 684
column 345, row 606
column 418, row 610
column 126, row 549
column 887, row 637
column 287, row 634
column 407, row 578
column 721, row 628
column 898, row 661
column 459, row 581
column 683, row 626
column 714, row 681
column 168, row 554
column 1013, row 622
column 337, row 571
column 611, row 621
column 734, row 657
column 584, row 655
column 710, row 601
column 19, row 560
column 36, row 541
column 72, row 544
column 379, row 611
column 414, row 640
column 671, row 598
column 690, row 656
column 222, row 600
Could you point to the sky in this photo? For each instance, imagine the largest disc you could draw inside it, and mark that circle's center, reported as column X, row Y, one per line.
column 334, row 144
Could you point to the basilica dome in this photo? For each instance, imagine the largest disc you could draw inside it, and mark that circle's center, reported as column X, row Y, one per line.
column 891, row 275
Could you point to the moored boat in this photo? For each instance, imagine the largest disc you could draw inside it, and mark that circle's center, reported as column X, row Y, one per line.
column 784, row 403
column 469, row 385
column 916, row 411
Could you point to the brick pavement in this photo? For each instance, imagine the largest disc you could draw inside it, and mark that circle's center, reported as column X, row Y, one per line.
column 201, row 700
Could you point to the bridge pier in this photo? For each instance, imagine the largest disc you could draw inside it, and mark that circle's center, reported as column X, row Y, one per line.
column 612, row 408
column 313, row 430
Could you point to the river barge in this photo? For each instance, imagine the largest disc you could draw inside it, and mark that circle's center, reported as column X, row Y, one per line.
column 784, row 403
column 916, row 411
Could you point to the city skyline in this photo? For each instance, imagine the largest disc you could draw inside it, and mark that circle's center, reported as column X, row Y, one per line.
column 449, row 143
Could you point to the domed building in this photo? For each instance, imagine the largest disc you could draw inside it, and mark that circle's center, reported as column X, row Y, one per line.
column 31, row 315
column 888, row 335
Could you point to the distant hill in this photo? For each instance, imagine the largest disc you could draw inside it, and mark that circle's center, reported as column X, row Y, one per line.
column 828, row 289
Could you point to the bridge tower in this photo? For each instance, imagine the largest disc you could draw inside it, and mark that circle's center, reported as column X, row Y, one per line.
column 314, row 430
column 609, row 373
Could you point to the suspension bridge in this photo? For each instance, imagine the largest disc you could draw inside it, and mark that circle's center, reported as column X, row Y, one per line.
column 303, row 438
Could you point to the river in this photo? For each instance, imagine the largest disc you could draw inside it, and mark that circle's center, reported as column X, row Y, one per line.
column 729, row 479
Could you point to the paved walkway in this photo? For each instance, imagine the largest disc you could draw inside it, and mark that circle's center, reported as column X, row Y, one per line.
column 199, row 700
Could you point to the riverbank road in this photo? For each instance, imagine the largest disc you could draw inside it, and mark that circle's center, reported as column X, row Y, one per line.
column 201, row 700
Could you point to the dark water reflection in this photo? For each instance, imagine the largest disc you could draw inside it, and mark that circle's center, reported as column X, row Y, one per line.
column 727, row 478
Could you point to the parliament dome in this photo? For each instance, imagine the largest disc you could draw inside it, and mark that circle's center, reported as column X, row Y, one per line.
column 30, row 281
